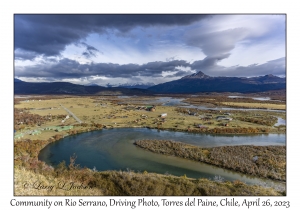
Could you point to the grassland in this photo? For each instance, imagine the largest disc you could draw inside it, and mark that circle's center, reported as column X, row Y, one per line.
column 262, row 161
column 109, row 112
column 121, row 183
column 27, row 182
column 255, row 105
column 41, row 113
column 277, row 100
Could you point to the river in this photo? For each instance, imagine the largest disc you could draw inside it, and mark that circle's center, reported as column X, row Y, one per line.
column 113, row 149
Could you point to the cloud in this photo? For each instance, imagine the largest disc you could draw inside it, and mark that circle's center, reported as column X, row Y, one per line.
column 222, row 34
column 50, row 34
column 180, row 73
column 67, row 68
column 25, row 55
column 208, row 62
column 156, row 48
column 90, row 51
column 217, row 43
column 275, row 67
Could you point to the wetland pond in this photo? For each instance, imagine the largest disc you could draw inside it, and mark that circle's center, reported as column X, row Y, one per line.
column 280, row 121
column 113, row 149
column 169, row 101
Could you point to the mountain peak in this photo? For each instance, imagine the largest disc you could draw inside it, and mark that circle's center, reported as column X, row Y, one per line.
column 198, row 75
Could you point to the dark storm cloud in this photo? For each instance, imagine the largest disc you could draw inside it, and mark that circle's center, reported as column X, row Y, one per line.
column 160, row 66
column 90, row 51
column 208, row 62
column 275, row 67
column 50, row 34
column 181, row 73
column 67, row 68
column 25, row 55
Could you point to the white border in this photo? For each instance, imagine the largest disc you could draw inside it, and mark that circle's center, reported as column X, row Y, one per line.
column 8, row 8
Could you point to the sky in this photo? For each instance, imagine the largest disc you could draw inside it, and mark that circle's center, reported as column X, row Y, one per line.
column 111, row 49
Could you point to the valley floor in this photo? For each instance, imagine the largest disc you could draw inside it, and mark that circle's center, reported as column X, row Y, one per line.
column 49, row 118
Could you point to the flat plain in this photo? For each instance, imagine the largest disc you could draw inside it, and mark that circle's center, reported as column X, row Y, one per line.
column 39, row 120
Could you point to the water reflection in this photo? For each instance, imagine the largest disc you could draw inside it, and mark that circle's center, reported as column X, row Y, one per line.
column 114, row 150
column 280, row 121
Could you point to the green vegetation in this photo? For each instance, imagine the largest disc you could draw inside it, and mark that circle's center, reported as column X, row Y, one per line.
column 262, row 161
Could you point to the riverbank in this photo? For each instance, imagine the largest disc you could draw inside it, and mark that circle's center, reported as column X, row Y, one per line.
column 43, row 179
column 84, row 182
column 112, row 182
column 262, row 161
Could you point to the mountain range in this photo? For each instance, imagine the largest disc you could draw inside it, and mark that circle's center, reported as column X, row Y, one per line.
column 194, row 83
column 138, row 85
column 200, row 82
column 67, row 88
column 127, row 85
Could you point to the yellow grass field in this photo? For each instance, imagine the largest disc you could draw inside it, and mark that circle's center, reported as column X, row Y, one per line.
column 256, row 105
column 103, row 110
column 30, row 183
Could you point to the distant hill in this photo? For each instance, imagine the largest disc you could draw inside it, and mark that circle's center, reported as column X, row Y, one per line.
column 91, row 84
column 200, row 82
column 72, row 89
column 17, row 80
column 194, row 83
